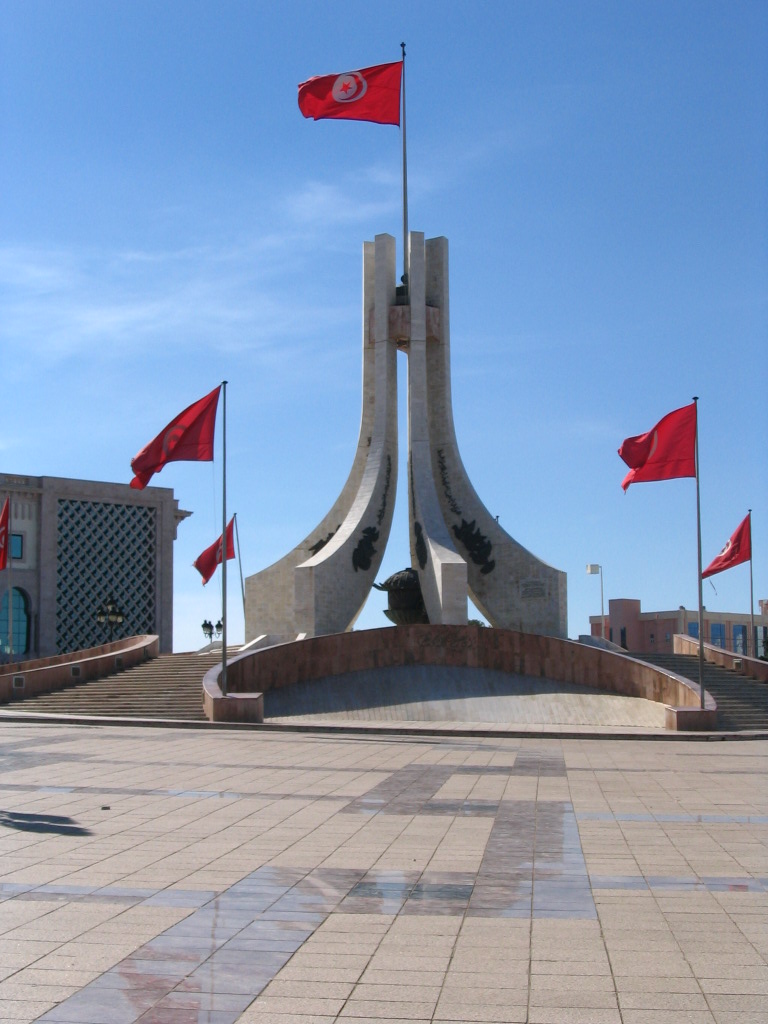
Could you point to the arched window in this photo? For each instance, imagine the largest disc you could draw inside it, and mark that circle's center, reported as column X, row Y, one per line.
column 21, row 623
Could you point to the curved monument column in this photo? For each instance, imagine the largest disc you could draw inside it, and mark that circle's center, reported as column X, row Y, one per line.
column 442, row 570
column 321, row 585
column 512, row 587
column 457, row 546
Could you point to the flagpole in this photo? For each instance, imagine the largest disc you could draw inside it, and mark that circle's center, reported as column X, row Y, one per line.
column 9, row 559
column 224, row 541
column 239, row 560
column 10, row 593
column 698, row 535
column 752, row 638
column 406, row 261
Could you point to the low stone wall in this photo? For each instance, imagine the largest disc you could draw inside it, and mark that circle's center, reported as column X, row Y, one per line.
column 755, row 668
column 237, row 706
column 563, row 661
column 44, row 675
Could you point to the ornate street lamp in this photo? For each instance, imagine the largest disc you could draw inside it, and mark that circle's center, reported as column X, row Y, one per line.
column 209, row 629
column 110, row 614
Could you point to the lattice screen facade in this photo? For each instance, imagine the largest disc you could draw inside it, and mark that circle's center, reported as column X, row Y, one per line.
column 104, row 550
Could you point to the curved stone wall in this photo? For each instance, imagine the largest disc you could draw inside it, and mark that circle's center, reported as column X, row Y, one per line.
column 470, row 647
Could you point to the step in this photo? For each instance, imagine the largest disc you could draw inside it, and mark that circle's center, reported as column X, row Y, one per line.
column 742, row 702
column 167, row 687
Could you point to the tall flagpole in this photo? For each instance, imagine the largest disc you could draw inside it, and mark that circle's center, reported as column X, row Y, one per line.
column 10, row 593
column 9, row 558
column 224, row 542
column 406, row 267
column 698, row 534
column 752, row 637
column 239, row 559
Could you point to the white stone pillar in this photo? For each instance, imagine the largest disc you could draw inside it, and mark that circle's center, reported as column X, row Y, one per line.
column 442, row 571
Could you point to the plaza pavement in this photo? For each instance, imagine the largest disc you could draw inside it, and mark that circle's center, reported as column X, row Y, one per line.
column 169, row 875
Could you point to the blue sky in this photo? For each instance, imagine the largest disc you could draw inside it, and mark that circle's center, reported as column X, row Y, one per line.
column 168, row 220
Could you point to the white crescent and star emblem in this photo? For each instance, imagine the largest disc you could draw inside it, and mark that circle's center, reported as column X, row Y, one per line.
column 171, row 438
column 350, row 87
column 726, row 548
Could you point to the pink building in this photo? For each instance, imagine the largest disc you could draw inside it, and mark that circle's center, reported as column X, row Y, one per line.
column 646, row 632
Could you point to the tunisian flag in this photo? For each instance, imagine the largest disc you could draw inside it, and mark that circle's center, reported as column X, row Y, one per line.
column 737, row 550
column 188, row 438
column 5, row 526
column 665, row 452
column 206, row 562
column 370, row 94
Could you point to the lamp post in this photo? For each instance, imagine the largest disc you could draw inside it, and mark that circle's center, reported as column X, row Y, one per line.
column 209, row 629
column 110, row 614
column 594, row 570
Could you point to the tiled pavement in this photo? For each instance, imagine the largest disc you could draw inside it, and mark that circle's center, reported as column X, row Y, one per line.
column 171, row 876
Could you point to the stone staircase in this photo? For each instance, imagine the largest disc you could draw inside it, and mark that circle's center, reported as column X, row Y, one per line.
column 167, row 687
column 170, row 687
column 742, row 703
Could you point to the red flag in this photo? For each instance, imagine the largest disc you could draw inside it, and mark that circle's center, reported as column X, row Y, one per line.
column 188, row 438
column 206, row 562
column 665, row 452
column 737, row 550
column 5, row 533
column 371, row 94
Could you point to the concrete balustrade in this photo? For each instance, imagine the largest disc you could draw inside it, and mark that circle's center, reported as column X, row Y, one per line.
column 755, row 668
column 44, row 675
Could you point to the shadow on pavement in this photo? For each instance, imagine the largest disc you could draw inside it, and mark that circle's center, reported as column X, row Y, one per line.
column 53, row 823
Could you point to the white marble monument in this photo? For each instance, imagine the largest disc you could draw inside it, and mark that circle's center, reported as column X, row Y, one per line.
column 457, row 546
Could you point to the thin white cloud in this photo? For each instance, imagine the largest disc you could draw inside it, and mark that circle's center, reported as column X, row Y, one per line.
column 237, row 291
column 59, row 305
column 320, row 204
column 27, row 270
